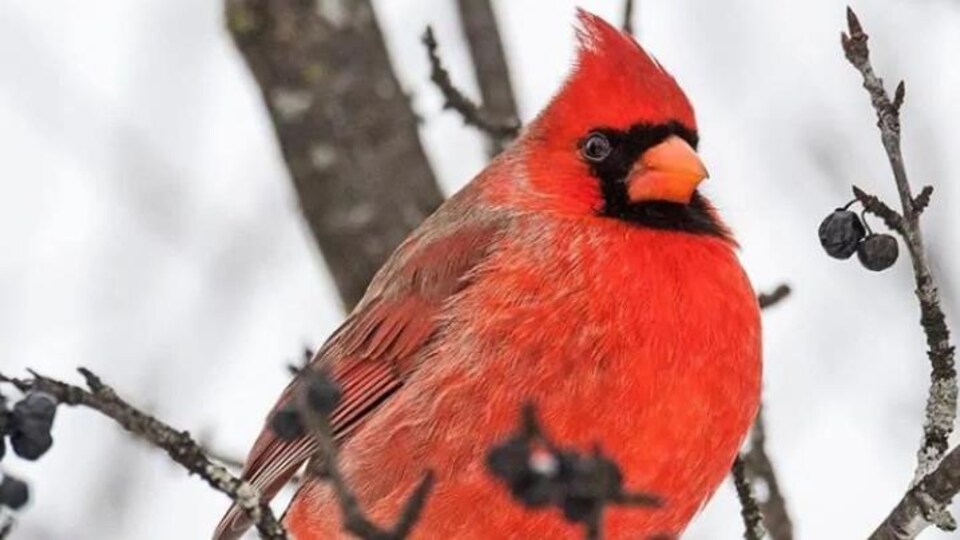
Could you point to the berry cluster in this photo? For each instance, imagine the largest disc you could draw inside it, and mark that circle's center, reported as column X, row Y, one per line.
column 842, row 233
column 540, row 474
column 27, row 426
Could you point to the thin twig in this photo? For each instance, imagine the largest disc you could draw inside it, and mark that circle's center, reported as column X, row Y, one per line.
column 759, row 468
column 749, row 510
column 757, row 464
column 326, row 464
column 891, row 218
column 6, row 526
column 454, row 99
column 769, row 299
column 941, row 409
column 178, row 444
column 628, row 17
column 479, row 24
column 921, row 201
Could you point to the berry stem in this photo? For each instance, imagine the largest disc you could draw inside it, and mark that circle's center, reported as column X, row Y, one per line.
column 863, row 219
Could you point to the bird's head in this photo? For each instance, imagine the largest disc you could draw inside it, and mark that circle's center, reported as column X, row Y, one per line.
column 619, row 139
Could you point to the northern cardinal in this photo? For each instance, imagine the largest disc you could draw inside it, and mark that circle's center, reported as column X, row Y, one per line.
column 581, row 271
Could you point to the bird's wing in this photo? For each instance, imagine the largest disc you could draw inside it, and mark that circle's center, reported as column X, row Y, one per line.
column 375, row 349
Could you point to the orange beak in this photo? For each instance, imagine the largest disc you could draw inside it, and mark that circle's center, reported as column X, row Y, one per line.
column 670, row 171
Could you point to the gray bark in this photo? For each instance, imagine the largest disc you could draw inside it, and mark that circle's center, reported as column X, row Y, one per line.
column 346, row 129
column 479, row 25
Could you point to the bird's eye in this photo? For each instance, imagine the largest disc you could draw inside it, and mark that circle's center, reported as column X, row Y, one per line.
column 596, row 147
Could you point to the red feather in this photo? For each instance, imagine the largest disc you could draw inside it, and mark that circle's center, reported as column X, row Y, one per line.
column 372, row 353
column 618, row 82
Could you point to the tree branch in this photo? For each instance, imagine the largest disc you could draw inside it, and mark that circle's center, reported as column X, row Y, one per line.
column 454, row 99
column 628, row 17
column 941, row 409
column 181, row 448
column 770, row 299
column 314, row 404
column 479, row 25
column 346, row 129
column 749, row 511
column 891, row 218
column 759, row 468
column 923, row 502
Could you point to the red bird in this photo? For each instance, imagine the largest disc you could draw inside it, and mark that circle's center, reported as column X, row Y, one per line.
column 581, row 271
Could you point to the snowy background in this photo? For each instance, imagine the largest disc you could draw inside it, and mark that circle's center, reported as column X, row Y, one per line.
column 149, row 230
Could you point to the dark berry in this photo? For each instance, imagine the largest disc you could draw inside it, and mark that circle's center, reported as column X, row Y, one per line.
column 30, row 424
column 38, row 406
column 14, row 493
column 840, row 233
column 878, row 252
column 323, row 393
column 5, row 420
column 5, row 424
column 286, row 423
column 31, row 444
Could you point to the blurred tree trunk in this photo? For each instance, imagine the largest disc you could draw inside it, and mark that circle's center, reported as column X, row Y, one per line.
column 479, row 25
column 345, row 127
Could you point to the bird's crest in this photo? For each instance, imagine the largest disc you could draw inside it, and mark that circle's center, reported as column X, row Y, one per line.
column 616, row 83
